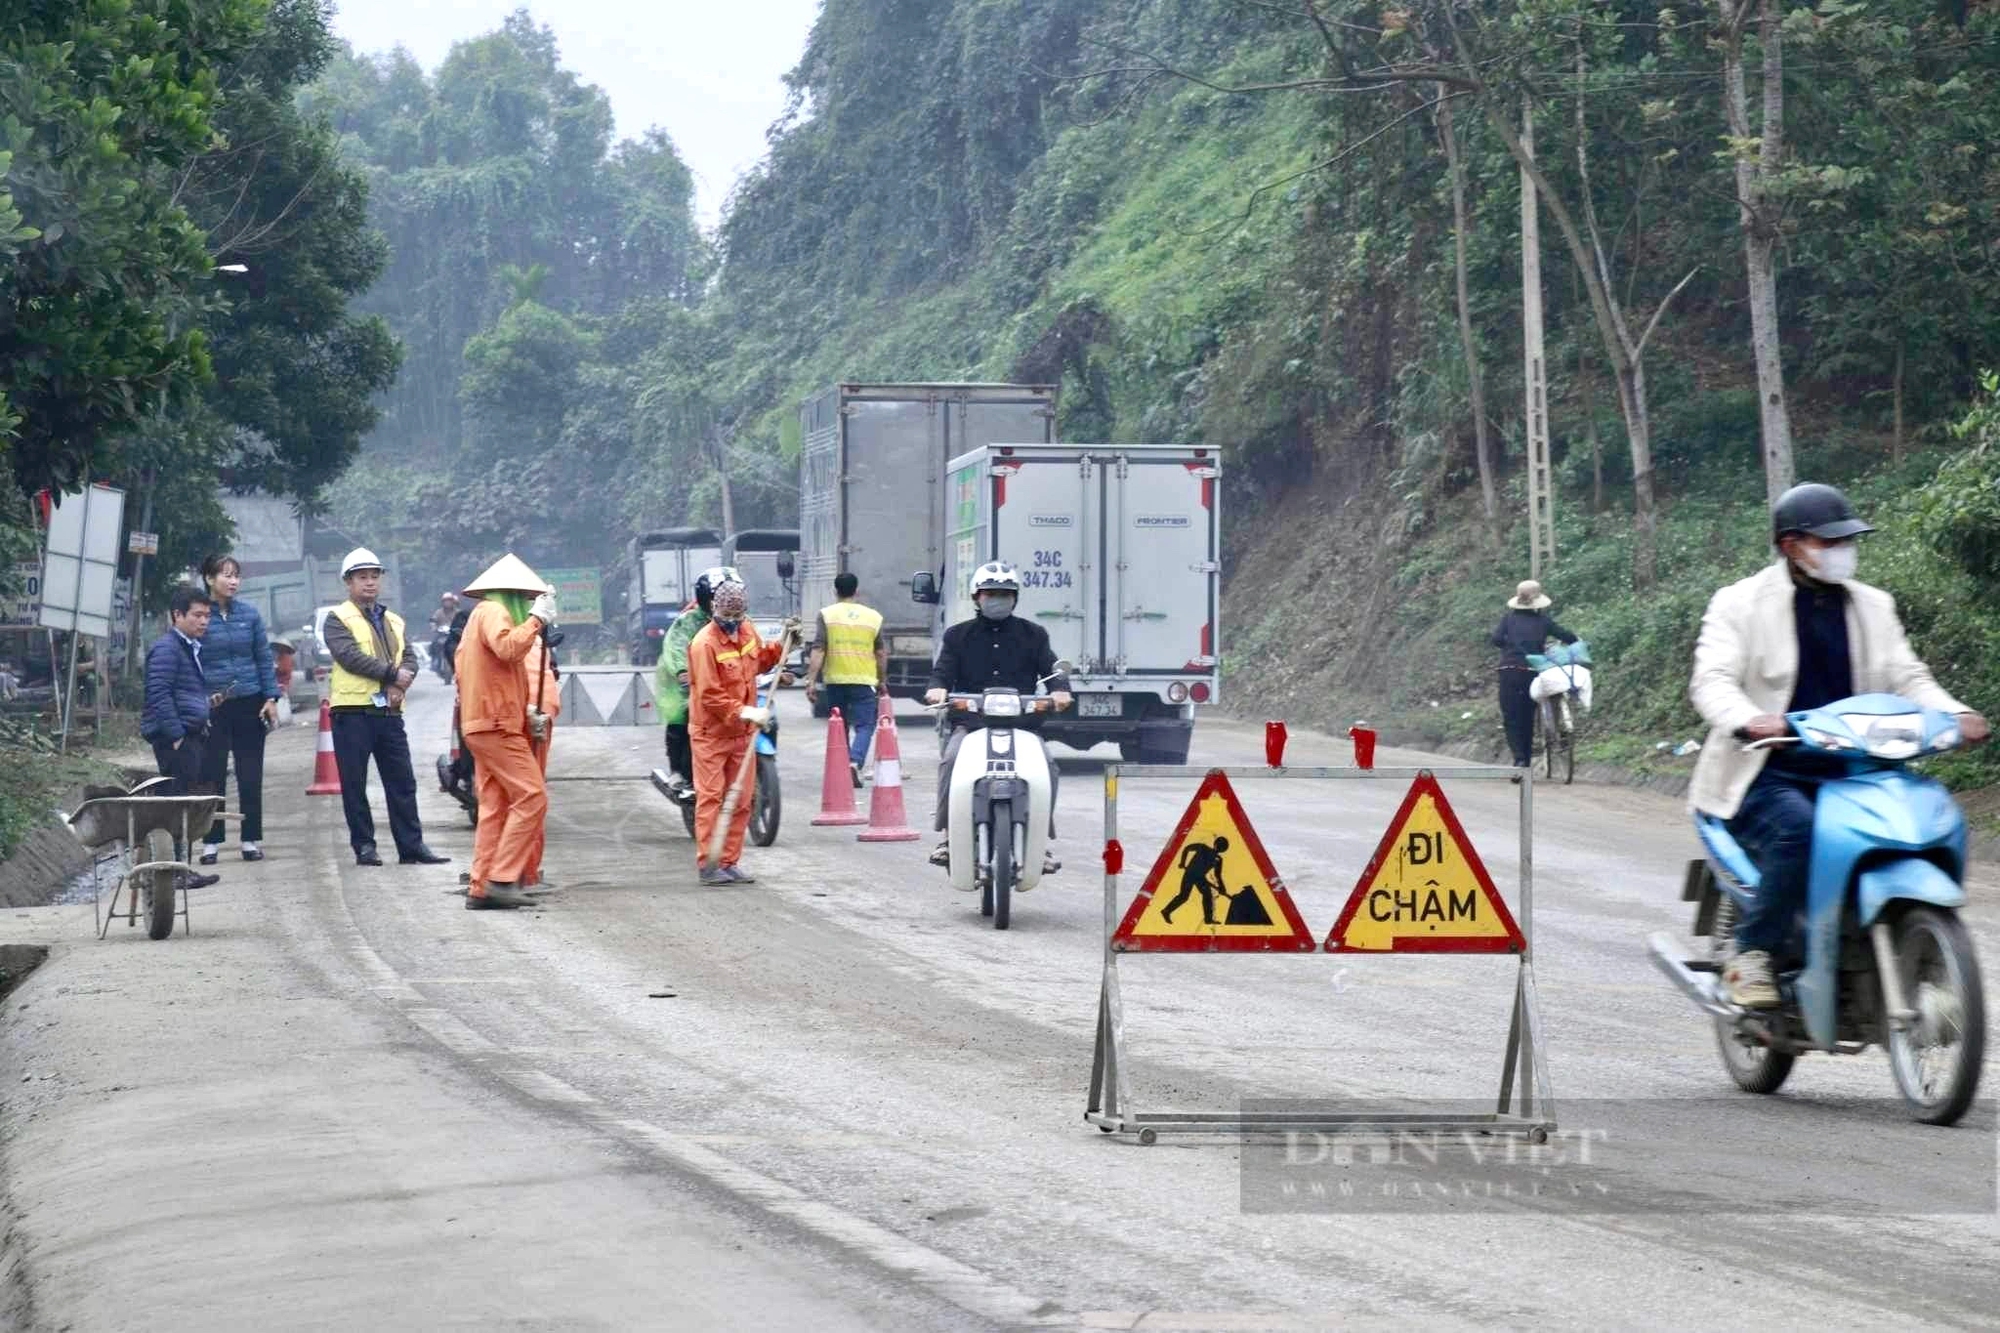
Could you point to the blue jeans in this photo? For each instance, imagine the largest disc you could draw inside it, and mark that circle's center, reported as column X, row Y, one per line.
column 857, row 706
column 1774, row 825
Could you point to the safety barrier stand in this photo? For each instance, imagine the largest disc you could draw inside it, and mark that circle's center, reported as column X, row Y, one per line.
column 1380, row 917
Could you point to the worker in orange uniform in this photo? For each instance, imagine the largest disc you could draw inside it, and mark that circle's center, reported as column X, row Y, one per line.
column 499, row 720
column 724, row 662
column 543, row 686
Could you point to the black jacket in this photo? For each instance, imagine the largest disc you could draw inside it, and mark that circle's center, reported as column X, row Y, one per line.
column 1524, row 632
column 981, row 654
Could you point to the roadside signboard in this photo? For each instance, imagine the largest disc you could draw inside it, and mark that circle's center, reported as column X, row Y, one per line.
column 579, row 594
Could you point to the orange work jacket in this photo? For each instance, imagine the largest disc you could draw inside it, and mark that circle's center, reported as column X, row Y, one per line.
column 722, row 677
column 492, row 671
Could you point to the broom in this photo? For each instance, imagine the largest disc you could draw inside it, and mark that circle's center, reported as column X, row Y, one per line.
column 737, row 789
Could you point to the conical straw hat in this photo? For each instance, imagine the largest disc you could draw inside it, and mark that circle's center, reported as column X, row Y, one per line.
column 507, row 574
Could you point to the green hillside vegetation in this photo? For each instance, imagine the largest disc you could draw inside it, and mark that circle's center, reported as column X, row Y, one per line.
column 1086, row 191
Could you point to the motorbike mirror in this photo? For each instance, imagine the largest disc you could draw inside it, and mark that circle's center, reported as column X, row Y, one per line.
column 785, row 565
column 923, row 587
column 1064, row 666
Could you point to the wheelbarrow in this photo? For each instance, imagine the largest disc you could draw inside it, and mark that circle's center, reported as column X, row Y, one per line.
column 141, row 825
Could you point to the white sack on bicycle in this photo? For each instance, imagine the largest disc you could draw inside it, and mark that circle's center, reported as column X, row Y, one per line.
column 1557, row 681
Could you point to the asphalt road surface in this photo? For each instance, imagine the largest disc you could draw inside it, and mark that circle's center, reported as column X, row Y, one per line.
column 847, row 1060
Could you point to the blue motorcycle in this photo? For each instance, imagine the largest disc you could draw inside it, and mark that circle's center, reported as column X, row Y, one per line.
column 768, row 804
column 1886, row 960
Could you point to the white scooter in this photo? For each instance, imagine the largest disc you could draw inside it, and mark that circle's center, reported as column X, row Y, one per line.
column 997, row 815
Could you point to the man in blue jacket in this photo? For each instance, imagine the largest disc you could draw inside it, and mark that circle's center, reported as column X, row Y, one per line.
column 175, row 718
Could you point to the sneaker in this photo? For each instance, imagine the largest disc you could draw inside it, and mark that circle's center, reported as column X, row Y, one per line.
column 209, row 852
column 941, row 855
column 738, row 875
column 1050, row 864
column 855, row 770
column 252, row 852
column 1747, row 978
column 199, row 881
column 715, row 875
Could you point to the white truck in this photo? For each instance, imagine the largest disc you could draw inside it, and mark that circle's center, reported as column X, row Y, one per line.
column 1119, row 551
column 872, row 488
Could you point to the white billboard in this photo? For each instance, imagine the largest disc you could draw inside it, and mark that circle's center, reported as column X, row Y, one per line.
column 80, row 561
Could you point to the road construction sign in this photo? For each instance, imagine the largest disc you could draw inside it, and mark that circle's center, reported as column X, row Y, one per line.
column 1213, row 888
column 1425, row 890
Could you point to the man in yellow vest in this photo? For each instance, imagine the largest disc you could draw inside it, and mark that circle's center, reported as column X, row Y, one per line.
column 374, row 665
column 850, row 655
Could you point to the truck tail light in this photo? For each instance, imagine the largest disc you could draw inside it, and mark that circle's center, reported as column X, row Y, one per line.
column 1177, row 693
column 1200, row 692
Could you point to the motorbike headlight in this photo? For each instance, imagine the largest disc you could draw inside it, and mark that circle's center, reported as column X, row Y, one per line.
column 1001, row 705
column 1888, row 736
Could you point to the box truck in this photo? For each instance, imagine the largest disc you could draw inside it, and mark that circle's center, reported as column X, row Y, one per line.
column 871, row 494
column 664, row 566
column 1119, row 548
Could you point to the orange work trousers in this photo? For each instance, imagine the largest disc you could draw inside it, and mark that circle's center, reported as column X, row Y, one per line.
column 533, row 874
column 513, row 807
column 716, row 761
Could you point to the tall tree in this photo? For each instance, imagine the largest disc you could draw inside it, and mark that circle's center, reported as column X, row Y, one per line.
column 1759, row 154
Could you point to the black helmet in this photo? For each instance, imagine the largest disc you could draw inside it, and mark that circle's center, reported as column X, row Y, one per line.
column 1817, row 511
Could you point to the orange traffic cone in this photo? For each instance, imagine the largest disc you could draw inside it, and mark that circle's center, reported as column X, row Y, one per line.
column 836, row 792
column 326, row 773
column 886, row 820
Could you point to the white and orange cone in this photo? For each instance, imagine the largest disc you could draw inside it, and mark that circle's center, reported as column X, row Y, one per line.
column 886, row 820
column 326, row 773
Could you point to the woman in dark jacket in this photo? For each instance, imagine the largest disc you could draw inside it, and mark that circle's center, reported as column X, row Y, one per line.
column 1525, row 629
column 243, row 676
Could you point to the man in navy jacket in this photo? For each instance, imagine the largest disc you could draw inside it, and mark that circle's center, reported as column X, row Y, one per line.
column 175, row 718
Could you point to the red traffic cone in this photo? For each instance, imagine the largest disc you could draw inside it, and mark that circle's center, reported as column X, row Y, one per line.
column 326, row 773
column 886, row 820
column 836, row 794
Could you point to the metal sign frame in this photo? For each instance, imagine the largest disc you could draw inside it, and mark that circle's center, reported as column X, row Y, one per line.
column 1526, row 1102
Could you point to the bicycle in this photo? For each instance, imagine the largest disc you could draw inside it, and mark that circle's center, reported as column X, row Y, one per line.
column 1559, row 713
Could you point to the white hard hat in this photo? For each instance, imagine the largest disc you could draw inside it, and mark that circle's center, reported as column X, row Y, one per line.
column 996, row 576
column 359, row 558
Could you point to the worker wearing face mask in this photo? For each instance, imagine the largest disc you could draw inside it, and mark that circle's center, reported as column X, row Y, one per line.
column 1801, row 634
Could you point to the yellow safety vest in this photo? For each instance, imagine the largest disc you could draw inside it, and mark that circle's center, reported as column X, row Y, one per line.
column 851, row 631
column 350, row 690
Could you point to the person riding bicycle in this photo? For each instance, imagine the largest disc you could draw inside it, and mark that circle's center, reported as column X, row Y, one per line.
column 1801, row 634
column 994, row 649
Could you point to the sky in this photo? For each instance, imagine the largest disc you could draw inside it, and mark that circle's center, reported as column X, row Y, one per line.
column 709, row 74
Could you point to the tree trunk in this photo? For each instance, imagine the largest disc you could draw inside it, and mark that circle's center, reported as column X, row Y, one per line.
column 1896, row 441
column 1587, row 390
column 1758, row 221
column 1489, row 492
column 1623, row 350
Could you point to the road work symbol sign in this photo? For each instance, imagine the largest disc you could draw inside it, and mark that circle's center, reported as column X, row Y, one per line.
column 1425, row 890
column 1213, row 888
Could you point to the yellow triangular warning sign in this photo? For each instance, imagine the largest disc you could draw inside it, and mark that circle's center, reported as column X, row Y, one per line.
column 1425, row 890
column 1213, row 888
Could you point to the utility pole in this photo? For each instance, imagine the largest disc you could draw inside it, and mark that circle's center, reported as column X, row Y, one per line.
column 719, row 436
column 138, row 579
column 1541, row 497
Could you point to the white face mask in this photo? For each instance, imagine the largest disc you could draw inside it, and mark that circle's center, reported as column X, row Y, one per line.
column 1833, row 564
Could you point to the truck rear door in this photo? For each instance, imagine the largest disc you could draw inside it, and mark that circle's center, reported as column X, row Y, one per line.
column 1162, row 542
column 1044, row 524
column 891, row 501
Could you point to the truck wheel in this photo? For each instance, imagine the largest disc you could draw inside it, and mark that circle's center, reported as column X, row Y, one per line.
column 1167, row 747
